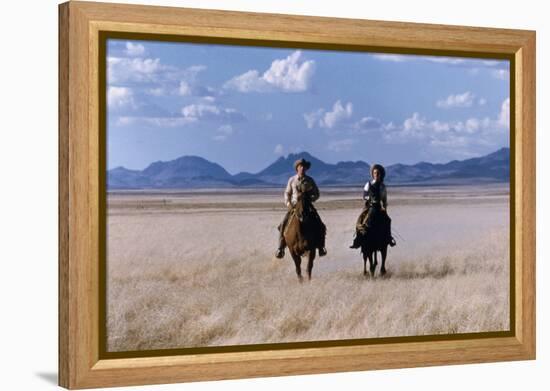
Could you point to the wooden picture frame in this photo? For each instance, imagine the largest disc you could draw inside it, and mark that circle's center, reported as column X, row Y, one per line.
column 82, row 167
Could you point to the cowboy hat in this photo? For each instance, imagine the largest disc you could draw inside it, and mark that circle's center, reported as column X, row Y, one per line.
column 380, row 169
column 302, row 162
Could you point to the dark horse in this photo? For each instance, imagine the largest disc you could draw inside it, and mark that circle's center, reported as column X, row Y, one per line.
column 374, row 240
column 304, row 234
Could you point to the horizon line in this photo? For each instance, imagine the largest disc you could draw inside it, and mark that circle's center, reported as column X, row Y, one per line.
column 303, row 152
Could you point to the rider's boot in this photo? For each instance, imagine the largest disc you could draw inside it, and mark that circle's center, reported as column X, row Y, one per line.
column 356, row 240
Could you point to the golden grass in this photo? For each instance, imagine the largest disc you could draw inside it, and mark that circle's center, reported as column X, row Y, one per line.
column 169, row 287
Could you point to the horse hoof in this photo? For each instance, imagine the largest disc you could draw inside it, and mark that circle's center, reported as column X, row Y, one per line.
column 383, row 272
column 300, row 279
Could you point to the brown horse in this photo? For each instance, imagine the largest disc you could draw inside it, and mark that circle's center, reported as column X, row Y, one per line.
column 304, row 234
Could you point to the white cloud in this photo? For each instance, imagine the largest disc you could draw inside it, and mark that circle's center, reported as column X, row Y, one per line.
column 453, row 142
column 133, row 69
column 190, row 87
column 210, row 112
column 465, row 99
column 226, row 129
column 134, row 50
column 501, row 74
column 491, row 63
column 419, row 127
column 329, row 119
column 279, row 149
column 473, row 65
column 445, row 60
column 250, row 81
column 482, row 101
column 414, row 123
column 223, row 133
column 150, row 71
column 504, row 115
column 412, row 57
column 194, row 70
column 338, row 113
column 340, row 145
column 167, row 80
column 472, row 125
column 312, row 118
column 120, row 97
column 190, row 114
column 458, row 134
column 413, row 127
column 391, row 57
column 292, row 74
column 157, row 122
column 185, row 88
column 158, row 91
column 368, row 124
column 200, row 110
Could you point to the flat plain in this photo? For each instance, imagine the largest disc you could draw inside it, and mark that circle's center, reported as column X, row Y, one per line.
column 193, row 268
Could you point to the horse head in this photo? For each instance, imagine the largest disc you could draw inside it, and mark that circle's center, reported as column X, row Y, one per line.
column 300, row 207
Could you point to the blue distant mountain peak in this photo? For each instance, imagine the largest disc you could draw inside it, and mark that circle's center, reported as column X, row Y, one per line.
column 197, row 172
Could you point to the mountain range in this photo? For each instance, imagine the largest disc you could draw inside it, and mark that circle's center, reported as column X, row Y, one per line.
column 197, row 172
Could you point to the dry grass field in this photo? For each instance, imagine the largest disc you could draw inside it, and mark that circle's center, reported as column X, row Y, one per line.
column 196, row 268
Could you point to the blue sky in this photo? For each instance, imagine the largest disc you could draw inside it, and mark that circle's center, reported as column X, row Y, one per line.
column 243, row 107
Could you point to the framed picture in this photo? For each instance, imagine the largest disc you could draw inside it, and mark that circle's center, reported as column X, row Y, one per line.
column 246, row 195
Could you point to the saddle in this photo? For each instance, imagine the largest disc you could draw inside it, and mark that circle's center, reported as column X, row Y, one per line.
column 376, row 225
column 309, row 214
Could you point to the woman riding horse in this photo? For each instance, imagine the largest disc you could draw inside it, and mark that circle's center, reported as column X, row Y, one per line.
column 374, row 214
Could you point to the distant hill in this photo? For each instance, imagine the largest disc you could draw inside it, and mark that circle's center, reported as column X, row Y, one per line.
column 184, row 172
column 494, row 167
column 197, row 172
column 324, row 173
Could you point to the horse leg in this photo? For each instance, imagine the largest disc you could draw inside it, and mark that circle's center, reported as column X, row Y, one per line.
column 372, row 263
column 311, row 257
column 383, row 252
column 365, row 258
column 297, row 262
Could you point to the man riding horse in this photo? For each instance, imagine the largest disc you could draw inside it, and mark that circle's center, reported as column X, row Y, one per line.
column 300, row 185
column 375, row 210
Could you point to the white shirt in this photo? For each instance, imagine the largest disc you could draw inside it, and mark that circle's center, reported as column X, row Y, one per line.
column 294, row 186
